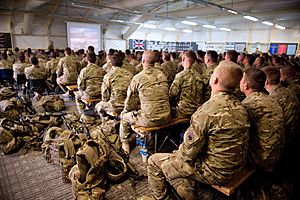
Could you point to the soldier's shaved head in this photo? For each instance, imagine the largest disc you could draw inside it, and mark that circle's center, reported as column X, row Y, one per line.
column 228, row 75
column 149, row 57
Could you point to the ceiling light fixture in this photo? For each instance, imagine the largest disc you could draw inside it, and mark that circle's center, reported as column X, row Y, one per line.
column 149, row 26
column 189, row 23
column 233, row 12
column 208, row 26
column 279, row 27
column 170, row 29
column 251, row 18
column 191, row 17
column 225, row 29
column 187, row 31
column 267, row 23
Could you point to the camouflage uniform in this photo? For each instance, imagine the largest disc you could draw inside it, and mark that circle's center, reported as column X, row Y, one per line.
column 149, row 88
column 138, row 68
column 186, row 92
column 19, row 69
column 206, row 76
column 294, row 85
column 107, row 67
column 114, row 88
column 198, row 67
column 42, row 60
column 267, row 130
column 89, row 84
column 35, row 72
column 84, row 62
column 214, row 149
column 289, row 103
column 129, row 67
column 67, row 71
column 51, row 67
column 168, row 69
column 5, row 64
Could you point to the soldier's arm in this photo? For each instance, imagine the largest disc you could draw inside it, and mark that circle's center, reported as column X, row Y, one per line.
column 105, row 89
column 132, row 97
column 174, row 92
column 81, row 81
column 195, row 138
column 59, row 70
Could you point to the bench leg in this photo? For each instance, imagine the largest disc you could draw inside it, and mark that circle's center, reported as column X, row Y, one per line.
column 155, row 142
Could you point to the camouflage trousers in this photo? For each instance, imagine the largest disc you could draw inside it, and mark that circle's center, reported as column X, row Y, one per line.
column 135, row 118
column 164, row 167
column 62, row 83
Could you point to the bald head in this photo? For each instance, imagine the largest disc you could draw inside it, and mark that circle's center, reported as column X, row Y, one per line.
column 149, row 58
column 226, row 76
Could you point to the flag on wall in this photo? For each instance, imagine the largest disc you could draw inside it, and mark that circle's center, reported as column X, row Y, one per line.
column 139, row 44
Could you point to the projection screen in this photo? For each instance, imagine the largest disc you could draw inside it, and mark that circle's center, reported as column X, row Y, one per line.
column 82, row 35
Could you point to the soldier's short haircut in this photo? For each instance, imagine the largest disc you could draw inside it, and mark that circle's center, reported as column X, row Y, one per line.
column 272, row 74
column 116, row 61
column 151, row 57
column 17, row 49
column 3, row 56
column 213, row 55
column 21, row 56
column 229, row 74
column 34, row 60
column 68, row 50
column 261, row 60
column 173, row 54
column 256, row 79
column 287, row 70
column 91, row 48
column 232, row 55
column 127, row 52
column 276, row 59
column 167, row 56
column 111, row 51
column 250, row 58
column 91, row 57
column 191, row 55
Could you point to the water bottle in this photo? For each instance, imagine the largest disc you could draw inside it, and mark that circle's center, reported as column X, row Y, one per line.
column 144, row 154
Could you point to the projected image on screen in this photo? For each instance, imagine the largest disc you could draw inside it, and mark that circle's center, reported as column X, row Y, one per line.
column 82, row 35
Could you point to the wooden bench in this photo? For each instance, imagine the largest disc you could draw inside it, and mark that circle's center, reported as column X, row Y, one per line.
column 71, row 89
column 143, row 131
column 230, row 187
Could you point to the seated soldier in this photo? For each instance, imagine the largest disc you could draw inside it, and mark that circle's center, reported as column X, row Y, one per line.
column 20, row 66
column 149, row 91
column 36, row 72
column 114, row 88
column 287, row 100
column 51, row 67
column 186, row 91
column 67, row 70
column 215, row 145
column 266, row 117
column 290, row 79
column 89, row 82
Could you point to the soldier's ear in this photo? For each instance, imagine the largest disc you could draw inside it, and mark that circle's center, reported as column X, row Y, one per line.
column 267, row 82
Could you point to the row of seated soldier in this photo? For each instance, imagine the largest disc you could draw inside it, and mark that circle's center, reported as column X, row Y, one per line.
column 243, row 109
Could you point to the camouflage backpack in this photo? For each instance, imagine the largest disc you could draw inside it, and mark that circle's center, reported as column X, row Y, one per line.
column 8, row 143
column 88, row 175
column 50, row 104
column 7, row 93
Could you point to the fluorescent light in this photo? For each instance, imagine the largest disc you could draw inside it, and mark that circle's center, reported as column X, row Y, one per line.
column 117, row 20
column 191, row 17
column 233, row 12
column 251, row 18
column 267, row 23
column 279, row 27
column 170, row 29
column 208, row 26
column 189, row 23
column 149, row 26
column 225, row 29
column 187, row 31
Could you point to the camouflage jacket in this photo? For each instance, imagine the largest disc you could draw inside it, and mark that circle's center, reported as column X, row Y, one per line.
column 90, row 80
column 199, row 67
column 19, row 69
column 149, row 88
column 169, row 70
column 107, row 67
column 206, row 77
column 68, row 68
column 295, row 86
column 115, row 85
column 290, row 105
column 5, row 64
column 216, row 143
column 35, row 72
column 186, row 92
column 267, row 130
column 51, row 66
